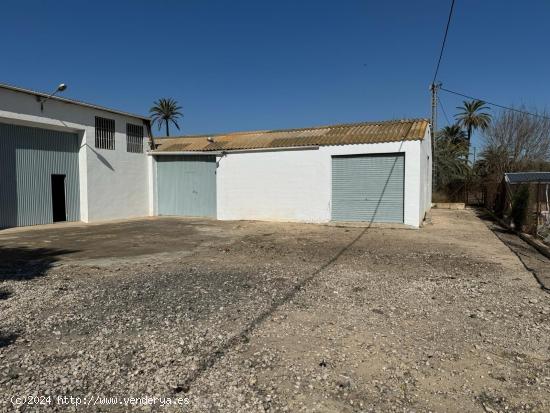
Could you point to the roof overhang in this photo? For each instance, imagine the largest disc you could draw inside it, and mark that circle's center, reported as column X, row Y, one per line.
column 229, row 152
column 159, row 153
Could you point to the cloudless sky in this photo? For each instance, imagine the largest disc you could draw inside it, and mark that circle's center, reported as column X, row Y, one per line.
column 254, row 64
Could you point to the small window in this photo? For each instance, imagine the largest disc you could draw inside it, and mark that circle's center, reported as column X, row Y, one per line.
column 104, row 133
column 134, row 138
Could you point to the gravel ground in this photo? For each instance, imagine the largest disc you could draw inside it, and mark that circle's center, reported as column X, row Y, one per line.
column 285, row 317
column 531, row 258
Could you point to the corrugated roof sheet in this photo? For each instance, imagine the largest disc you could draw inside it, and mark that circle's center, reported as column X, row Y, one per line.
column 523, row 177
column 343, row 134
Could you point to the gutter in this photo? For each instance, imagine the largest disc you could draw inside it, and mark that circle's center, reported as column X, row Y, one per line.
column 155, row 153
column 229, row 152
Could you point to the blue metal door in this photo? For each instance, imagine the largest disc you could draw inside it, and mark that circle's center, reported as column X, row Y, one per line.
column 368, row 188
column 186, row 185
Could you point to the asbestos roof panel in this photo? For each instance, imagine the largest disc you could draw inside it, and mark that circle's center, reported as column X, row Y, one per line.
column 343, row 134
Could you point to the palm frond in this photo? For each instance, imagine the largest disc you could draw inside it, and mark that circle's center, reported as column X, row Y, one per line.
column 471, row 116
column 165, row 110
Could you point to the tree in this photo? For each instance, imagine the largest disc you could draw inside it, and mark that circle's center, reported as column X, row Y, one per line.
column 451, row 160
column 523, row 140
column 165, row 110
column 514, row 141
column 493, row 162
column 454, row 134
column 472, row 116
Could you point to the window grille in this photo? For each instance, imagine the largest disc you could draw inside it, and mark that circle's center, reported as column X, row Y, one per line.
column 104, row 133
column 134, row 138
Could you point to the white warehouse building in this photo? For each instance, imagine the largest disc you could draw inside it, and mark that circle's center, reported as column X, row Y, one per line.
column 370, row 172
column 65, row 160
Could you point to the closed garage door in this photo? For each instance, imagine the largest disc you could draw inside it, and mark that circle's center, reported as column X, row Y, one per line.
column 38, row 176
column 186, row 185
column 368, row 188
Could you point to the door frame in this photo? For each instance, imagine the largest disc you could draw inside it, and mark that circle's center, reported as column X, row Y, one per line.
column 55, row 204
column 159, row 160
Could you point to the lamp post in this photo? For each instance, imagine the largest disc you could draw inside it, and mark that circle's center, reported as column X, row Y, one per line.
column 60, row 88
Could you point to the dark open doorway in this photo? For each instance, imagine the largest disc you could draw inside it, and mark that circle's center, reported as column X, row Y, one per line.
column 58, row 198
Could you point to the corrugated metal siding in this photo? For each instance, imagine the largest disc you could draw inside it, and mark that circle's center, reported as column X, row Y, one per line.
column 186, row 185
column 368, row 188
column 28, row 158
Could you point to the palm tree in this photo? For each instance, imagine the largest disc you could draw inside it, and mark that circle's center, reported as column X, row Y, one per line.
column 454, row 134
column 494, row 162
column 165, row 110
column 451, row 161
column 472, row 116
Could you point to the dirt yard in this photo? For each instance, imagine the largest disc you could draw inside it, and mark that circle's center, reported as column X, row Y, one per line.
column 253, row 317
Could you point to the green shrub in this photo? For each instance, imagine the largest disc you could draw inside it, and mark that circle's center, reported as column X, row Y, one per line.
column 520, row 206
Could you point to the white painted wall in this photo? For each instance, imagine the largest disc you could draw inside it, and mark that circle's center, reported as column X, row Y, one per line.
column 295, row 185
column 114, row 184
column 426, row 166
column 152, row 175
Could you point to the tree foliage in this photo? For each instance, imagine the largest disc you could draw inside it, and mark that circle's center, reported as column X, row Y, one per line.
column 524, row 137
column 515, row 141
column 493, row 163
column 451, row 157
column 454, row 134
column 165, row 111
column 473, row 116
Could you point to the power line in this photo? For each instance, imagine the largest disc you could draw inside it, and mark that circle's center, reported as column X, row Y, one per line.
column 444, row 40
column 494, row 104
column 443, row 110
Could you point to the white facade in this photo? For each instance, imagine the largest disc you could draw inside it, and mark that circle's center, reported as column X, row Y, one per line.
column 286, row 184
column 296, row 184
column 114, row 184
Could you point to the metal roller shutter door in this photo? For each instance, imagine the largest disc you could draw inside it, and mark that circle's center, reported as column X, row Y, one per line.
column 28, row 158
column 186, row 185
column 368, row 188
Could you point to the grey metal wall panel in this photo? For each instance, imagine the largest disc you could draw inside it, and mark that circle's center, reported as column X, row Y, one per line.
column 28, row 158
column 368, row 188
column 186, row 185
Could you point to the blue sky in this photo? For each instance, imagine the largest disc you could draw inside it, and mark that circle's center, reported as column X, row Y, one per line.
column 239, row 65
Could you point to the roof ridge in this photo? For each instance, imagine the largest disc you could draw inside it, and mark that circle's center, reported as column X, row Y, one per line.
column 337, row 125
column 72, row 101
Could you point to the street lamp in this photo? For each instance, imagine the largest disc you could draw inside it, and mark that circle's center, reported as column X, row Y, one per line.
column 60, row 88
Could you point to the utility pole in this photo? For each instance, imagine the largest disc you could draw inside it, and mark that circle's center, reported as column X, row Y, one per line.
column 434, row 88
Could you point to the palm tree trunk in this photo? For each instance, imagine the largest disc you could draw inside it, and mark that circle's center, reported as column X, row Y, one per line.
column 469, row 139
column 167, row 128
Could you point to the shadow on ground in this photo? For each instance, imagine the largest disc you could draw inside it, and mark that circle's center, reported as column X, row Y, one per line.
column 20, row 263
column 7, row 338
column 4, row 294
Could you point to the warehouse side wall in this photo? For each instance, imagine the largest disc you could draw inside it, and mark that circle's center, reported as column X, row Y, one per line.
column 295, row 185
